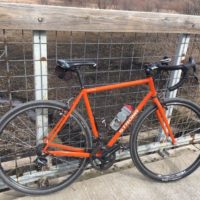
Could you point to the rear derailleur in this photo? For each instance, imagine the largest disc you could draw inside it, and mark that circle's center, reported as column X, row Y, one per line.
column 41, row 160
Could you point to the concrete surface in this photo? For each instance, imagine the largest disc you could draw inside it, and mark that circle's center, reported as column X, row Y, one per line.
column 124, row 185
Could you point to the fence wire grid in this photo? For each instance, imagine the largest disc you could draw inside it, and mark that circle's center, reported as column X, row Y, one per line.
column 119, row 57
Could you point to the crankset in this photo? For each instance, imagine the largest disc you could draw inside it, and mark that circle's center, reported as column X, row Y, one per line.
column 103, row 163
column 106, row 160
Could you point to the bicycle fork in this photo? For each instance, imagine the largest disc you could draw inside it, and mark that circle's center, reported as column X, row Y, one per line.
column 164, row 122
column 160, row 112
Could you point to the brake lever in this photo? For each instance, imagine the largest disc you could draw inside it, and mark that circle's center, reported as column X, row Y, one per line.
column 181, row 81
column 194, row 73
column 192, row 61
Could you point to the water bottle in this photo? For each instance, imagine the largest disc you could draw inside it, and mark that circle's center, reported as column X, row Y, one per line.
column 121, row 117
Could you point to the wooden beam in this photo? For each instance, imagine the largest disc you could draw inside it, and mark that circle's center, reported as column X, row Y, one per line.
column 22, row 1
column 46, row 2
column 40, row 17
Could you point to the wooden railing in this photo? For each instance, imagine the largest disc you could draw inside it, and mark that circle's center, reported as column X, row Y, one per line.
column 39, row 17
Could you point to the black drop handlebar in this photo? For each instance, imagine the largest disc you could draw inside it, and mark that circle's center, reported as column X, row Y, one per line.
column 163, row 66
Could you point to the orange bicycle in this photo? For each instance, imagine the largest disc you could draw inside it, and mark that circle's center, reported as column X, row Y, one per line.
column 46, row 145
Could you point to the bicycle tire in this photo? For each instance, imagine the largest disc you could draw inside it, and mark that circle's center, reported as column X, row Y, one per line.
column 79, row 163
column 165, row 163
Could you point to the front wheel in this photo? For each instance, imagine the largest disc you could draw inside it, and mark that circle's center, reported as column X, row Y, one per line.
column 154, row 155
column 21, row 129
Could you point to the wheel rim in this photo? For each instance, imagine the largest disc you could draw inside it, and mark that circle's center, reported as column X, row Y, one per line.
column 18, row 140
column 155, row 154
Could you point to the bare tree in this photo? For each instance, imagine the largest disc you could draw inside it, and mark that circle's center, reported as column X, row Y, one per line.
column 101, row 4
column 44, row 2
column 192, row 7
column 115, row 4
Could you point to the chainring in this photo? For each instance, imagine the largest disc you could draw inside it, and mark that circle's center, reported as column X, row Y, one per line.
column 102, row 164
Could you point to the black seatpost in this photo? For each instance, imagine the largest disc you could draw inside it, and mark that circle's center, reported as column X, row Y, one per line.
column 79, row 78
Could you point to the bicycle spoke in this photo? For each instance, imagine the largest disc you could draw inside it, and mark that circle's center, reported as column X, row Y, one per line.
column 159, row 158
column 20, row 160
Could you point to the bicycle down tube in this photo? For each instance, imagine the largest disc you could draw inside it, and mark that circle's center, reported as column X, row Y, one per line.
column 65, row 150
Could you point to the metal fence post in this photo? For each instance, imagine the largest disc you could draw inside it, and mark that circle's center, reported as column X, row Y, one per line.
column 175, row 76
column 179, row 57
column 41, row 81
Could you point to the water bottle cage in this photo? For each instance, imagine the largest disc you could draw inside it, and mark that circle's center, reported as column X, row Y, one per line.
column 121, row 117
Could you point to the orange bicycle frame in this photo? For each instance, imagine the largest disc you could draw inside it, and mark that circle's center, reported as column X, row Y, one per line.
column 65, row 150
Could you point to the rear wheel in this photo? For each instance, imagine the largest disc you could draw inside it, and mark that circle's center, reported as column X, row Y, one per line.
column 21, row 130
column 154, row 154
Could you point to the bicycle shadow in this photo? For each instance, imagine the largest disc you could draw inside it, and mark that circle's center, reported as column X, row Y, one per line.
column 135, row 174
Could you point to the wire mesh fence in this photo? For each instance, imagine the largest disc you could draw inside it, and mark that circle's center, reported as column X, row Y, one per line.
column 119, row 57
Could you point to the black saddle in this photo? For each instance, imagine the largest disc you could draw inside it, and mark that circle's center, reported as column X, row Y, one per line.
column 75, row 64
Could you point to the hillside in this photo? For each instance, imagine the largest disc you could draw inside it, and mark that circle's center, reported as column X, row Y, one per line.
column 180, row 6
